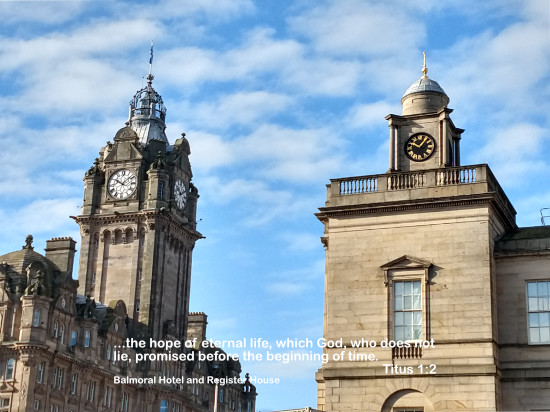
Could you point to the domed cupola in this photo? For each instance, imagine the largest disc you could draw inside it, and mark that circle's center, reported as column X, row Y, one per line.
column 148, row 114
column 424, row 96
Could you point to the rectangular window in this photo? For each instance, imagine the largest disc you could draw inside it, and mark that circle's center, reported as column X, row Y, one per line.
column 538, row 304
column 36, row 405
column 60, row 379
column 36, row 318
column 40, row 373
column 4, row 404
column 10, row 366
column 124, row 402
column 407, row 310
column 90, row 391
column 74, row 336
column 161, row 190
column 107, row 397
column 87, row 338
column 163, row 406
column 74, row 383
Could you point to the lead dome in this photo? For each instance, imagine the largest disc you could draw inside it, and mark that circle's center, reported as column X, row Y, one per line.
column 424, row 95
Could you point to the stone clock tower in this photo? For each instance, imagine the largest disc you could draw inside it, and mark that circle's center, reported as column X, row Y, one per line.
column 138, row 221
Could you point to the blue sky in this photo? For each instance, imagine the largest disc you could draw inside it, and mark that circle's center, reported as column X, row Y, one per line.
column 276, row 97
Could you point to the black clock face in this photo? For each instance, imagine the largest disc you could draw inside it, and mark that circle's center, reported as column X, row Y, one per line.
column 420, row 147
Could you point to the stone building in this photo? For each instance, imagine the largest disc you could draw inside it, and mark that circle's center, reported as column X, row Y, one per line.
column 429, row 254
column 62, row 340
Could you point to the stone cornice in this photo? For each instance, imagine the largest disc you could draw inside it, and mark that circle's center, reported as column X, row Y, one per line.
column 406, row 205
column 149, row 217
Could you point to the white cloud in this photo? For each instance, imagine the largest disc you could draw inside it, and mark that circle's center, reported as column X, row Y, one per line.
column 42, row 218
column 371, row 114
column 295, row 282
column 353, row 27
column 241, row 108
column 298, row 243
column 515, row 152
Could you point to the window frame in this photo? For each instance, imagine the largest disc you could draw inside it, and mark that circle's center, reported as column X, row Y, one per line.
column 530, row 312
column 404, row 269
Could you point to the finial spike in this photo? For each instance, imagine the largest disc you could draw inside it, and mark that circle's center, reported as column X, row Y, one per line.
column 424, row 68
column 151, row 60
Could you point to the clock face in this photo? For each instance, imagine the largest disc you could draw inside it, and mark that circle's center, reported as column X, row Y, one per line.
column 420, row 147
column 122, row 184
column 180, row 194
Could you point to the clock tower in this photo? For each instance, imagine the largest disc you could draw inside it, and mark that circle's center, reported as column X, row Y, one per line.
column 138, row 222
column 410, row 276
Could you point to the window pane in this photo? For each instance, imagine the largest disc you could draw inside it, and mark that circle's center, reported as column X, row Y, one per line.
column 398, row 303
column 532, row 289
column 417, row 318
column 417, row 302
column 417, row 287
column 534, row 335
column 541, row 288
column 533, row 320
column 417, row 332
column 544, row 319
column 545, row 335
column 533, row 307
column 407, row 302
column 398, row 288
column 542, row 304
column 398, row 318
column 407, row 317
column 399, row 333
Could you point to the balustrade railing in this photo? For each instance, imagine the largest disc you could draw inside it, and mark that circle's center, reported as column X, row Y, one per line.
column 406, row 181
column 410, row 180
column 456, row 176
column 353, row 185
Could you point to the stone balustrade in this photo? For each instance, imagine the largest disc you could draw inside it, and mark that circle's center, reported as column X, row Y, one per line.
column 410, row 180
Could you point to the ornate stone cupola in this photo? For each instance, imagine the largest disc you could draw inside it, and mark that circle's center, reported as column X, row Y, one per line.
column 148, row 114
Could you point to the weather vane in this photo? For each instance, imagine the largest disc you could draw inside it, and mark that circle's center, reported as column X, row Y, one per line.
column 424, row 68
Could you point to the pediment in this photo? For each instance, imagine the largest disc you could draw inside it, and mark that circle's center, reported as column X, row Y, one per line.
column 123, row 151
column 407, row 262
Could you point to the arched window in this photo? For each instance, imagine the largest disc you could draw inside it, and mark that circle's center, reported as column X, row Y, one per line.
column 109, row 352
column 62, row 333
column 56, row 329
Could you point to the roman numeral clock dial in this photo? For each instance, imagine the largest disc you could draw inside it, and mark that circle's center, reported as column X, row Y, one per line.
column 420, row 147
column 122, row 184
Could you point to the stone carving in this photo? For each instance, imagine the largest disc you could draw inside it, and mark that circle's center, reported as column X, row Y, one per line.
column 37, row 287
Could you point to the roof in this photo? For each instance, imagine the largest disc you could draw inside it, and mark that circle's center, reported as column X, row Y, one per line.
column 534, row 232
column 528, row 240
column 424, row 84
